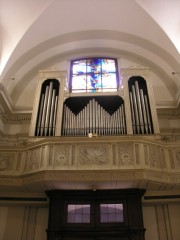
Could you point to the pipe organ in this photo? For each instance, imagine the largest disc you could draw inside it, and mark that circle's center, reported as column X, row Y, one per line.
column 95, row 117
column 140, row 107
column 131, row 110
column 46, row 120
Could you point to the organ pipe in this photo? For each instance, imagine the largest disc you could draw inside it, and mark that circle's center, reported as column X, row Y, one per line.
column 49, row 101
column 148, row 113
column 46, row 121
column 144, row 111
column 93, row 118
column 132, row 113
column 140, row 110
column 135, row 110
column 40, row 115
column 44, row 111
column 139, row 107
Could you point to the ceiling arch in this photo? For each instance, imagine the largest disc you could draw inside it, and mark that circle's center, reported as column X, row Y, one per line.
column 100, row 51
column 51, row 30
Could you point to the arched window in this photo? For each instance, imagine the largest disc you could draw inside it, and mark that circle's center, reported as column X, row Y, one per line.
column 94, row 75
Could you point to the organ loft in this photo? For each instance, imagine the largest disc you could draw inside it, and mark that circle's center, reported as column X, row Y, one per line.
column 95, row 99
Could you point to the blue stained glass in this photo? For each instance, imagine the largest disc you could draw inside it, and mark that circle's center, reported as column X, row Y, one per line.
column 93, row 82
column 94, row 65
column 94, row 75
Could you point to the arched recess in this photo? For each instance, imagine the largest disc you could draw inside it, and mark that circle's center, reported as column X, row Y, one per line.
column 48, row 104
column 47, row 111
column 140, row 106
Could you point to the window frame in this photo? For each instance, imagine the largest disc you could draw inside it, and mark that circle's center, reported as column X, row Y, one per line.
column 95, row 213
column 77, row 202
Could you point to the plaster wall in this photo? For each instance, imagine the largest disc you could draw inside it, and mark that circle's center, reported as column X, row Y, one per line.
column 30, row 222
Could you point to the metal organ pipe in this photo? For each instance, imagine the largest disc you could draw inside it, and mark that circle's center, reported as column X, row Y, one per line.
column 144, row 111
column 40, row 115
column 46, row 121
column 148, row 113
column 140, row 111
column 139, row 107
column 123, row 119
column 132, row 113
column 52, row 113
column 135, row 109
column 49, row 101
column 55, row 113
column 44, row 111
column 93, row 118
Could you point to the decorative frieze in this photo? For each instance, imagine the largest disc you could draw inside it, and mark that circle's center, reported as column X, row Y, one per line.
column 92, row 160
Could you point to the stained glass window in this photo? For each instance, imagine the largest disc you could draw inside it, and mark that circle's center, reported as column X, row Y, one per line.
column 94, row 75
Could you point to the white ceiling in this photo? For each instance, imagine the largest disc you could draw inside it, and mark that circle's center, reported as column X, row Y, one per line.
column 45, row 33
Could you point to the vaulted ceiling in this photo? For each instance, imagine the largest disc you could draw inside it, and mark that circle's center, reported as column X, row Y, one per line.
column 47, row 34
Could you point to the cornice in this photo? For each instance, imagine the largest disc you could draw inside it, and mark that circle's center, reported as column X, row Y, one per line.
column 8, row 112
column 169, row 113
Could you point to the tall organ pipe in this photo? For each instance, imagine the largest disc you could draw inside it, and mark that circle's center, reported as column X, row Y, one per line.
column 49, row 101
column 132, row 113
column 144, row 111
column 136, row 110
column 55, row 113
column 139, row 107
column 44, row 111
column 148, row 113
column 123, row 119
column 52, row 113
column 40, row 115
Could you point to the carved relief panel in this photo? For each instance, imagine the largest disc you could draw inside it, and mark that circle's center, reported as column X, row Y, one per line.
column 7, row 161
column 94, row 155
column 125, row 155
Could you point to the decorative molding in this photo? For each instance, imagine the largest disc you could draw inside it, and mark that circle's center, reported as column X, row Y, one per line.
column 46, row 178
column 135, row 71
column 8, row 112
column 172, row 113
column 62, row 160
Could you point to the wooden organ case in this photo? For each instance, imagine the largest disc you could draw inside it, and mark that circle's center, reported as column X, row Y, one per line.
column 95, row 214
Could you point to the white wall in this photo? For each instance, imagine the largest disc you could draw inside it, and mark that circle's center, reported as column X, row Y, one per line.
column 26, row 223
column 23, row 223
column 162, row 221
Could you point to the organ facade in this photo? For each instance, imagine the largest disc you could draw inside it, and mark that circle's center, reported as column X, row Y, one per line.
column 128, row 110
